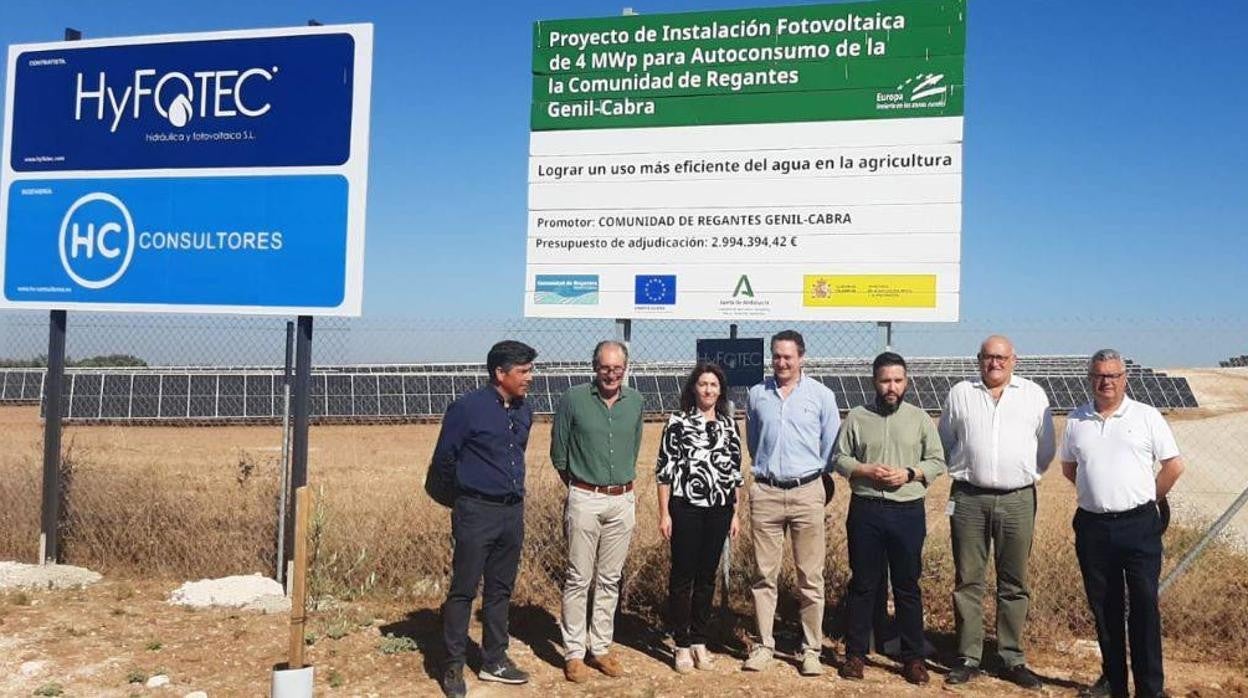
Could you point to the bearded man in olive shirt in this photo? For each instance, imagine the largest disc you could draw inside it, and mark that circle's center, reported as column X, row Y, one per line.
column 594, row 444
column 890, row 452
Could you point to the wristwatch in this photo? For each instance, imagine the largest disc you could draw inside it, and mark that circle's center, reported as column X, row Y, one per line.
column 912, row 474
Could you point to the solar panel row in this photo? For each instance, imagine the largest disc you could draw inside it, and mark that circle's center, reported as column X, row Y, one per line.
column 151, row 396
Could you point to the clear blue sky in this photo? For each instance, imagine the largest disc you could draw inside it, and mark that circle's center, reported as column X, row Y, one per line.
column 1106, row 162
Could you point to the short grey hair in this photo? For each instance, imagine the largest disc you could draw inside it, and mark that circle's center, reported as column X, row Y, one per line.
column 609, row 343
column 1103, row 355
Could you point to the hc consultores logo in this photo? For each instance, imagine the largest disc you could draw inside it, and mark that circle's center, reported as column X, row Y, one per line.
column 97, row 240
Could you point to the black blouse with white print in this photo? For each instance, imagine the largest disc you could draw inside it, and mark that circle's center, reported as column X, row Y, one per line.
column 700, row 458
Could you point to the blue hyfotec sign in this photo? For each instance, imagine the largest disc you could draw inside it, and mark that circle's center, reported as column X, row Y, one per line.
column 221, row 172
column 244, row 102
column 237, row 241
column 741, row 359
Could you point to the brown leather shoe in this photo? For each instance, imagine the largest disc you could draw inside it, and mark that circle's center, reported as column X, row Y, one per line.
column 607, row 664
column 852, row 667
column 575, row 671
column 915, row 671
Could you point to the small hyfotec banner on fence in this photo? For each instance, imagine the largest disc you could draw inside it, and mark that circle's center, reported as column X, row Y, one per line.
column 217, row 172
column 798, row 163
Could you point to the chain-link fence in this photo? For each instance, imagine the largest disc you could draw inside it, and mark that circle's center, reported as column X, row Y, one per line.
column 188, row 499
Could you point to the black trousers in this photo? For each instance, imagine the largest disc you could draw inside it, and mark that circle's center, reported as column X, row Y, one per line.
column 488, row 537
column 698, row 535
column 885, row 537
column 1118, row 552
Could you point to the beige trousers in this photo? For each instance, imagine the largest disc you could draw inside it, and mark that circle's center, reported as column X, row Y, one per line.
column 598, row 528
column 800, row 513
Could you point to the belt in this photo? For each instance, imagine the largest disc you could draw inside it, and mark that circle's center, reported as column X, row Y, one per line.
column 788, row 483
column 1110, row 515
column 976, row 489
column 612, row 490
column 880, row 501
column 495, row 498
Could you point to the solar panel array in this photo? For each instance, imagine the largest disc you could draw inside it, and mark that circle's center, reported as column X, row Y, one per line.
column 415, row 392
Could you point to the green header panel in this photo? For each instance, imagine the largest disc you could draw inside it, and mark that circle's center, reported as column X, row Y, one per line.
column 885, row 59
column 771, row 107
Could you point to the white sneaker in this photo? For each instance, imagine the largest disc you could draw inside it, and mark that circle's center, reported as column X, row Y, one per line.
column 702, row 657
column 759, row 660
column 811, row 666
column 684, row 660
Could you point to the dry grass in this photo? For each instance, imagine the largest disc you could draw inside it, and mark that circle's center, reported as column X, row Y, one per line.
column 187, row 502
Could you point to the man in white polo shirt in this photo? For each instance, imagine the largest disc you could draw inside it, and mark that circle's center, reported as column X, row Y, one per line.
column 998, row 436
column 1109, row 451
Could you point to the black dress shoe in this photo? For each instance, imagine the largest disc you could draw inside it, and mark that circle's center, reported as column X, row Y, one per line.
column 1020, row 675
column 453, row 685
column 961, row 672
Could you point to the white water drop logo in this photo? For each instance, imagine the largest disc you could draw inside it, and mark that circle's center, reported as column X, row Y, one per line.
column 180, row 111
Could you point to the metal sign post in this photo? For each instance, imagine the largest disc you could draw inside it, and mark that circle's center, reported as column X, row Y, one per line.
column 285, row 475
column 49, row 543
column 299, row 439
column 49, row 520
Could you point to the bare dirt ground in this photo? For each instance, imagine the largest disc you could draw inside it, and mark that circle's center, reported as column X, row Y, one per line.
column 93, row 642
column 1217, row 389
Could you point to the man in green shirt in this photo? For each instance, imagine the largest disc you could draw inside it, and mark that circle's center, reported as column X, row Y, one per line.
column 890, row 452
column 594, row 444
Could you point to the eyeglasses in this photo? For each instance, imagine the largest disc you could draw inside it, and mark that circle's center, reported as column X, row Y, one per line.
column 610, row 370
column 995, row 358
column 1105, row 376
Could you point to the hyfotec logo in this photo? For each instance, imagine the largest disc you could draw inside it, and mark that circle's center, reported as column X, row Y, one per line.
column 175, row 96
column 97, row 240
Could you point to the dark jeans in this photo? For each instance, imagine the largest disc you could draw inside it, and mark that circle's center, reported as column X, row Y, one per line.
column 885, row 536
column 488, row 537
column 698, row 535
column 1114, row 552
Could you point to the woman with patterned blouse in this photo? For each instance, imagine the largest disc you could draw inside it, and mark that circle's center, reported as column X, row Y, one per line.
column 699, row 479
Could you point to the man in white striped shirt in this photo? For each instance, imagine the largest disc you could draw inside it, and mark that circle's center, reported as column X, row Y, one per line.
column 998, row 436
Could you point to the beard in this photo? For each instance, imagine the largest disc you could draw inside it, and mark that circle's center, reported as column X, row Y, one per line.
column 885, row 409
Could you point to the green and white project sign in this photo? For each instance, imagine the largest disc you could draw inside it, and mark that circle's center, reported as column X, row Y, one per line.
column 788, row 163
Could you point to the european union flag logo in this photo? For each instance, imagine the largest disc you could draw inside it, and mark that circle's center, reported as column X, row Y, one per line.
column 655, row 289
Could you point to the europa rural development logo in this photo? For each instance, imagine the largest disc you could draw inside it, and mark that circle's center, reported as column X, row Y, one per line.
column 922, row 91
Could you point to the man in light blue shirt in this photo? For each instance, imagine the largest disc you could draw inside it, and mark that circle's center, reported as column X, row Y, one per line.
column 791, row 425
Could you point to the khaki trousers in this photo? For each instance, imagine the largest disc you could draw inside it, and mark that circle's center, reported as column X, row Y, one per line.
column 800, row 513
column 1003, row 524
column 598, row 528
